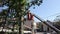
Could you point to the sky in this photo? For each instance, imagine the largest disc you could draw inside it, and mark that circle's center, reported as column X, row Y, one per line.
column 3, row 8
column 48, row 10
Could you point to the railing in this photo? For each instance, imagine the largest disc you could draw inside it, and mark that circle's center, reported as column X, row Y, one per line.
column 49, row 25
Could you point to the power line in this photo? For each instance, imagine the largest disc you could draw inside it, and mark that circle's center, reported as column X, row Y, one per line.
column 56, row 14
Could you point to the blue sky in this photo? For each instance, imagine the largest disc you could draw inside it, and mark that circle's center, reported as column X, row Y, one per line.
column 3, row 8
column 48, row 10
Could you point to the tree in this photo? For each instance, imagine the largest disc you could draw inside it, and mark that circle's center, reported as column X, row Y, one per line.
column 20, row 7
column 57, row 22
column 3, row 15
column 40, row 27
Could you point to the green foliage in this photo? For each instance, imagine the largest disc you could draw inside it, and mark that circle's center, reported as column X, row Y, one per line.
column 20, row 6
column 3, row 13
column 17, row 9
